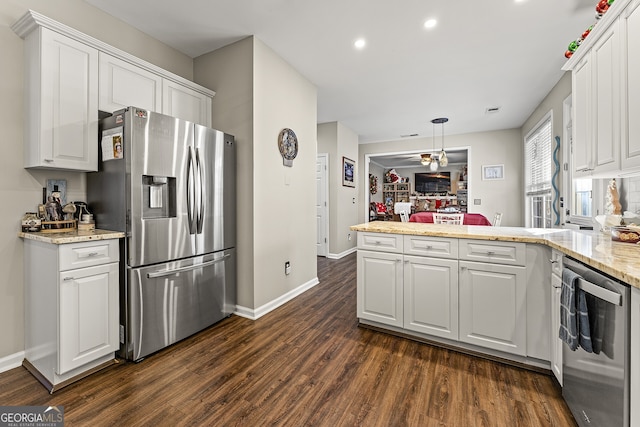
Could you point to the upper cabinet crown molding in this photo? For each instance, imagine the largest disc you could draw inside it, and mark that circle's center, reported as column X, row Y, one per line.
column 32, row 20
column 600, row 27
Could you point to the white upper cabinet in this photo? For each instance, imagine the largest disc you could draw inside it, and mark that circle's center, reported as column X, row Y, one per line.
column 185, row 103
column 61, row 86
column 606, row 84
column 630, row 29
column 69, row 76
column 123, row 84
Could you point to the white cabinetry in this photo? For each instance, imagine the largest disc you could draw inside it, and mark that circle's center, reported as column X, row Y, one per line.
column 635, row 357
column 493, row 296
column 61, row 86
column 71, row 309
column 185, row 103
column 556, row 290
column 380, row 282
column 630, row 88
column 606, row 84
column 431, row 286
column 123, row 84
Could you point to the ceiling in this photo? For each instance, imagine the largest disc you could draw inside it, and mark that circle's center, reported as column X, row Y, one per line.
column 502, row 54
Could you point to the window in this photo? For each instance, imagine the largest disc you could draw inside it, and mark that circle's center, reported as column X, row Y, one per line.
column 537, row 156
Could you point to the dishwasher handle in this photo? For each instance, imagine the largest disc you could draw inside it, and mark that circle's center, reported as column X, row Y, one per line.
column 600, row 292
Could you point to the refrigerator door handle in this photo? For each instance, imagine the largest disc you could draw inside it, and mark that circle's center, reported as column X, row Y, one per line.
column 200, row 209
column 162, row 273
column 190, row 192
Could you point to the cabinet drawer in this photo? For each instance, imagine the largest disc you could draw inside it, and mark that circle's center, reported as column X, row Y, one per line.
column 87, row 254
column 380, row 242
column 510, row 253
column 431, row 246
column 556, row 262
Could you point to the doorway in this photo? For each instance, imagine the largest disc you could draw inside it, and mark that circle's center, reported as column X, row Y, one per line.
column 322, row 204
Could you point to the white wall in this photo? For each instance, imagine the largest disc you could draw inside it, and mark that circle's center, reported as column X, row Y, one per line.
column 21, row 190
column 229, row 71
column 339, row 141
column 485, row 148
column 261, row 95
column 378, row 171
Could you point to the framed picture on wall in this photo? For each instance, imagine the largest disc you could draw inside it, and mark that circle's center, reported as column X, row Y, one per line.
column 348, row 172
column 492, row 172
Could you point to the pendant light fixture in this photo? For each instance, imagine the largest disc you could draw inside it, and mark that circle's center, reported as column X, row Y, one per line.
column 442, row 157
column 434, row 163
column 425, row 159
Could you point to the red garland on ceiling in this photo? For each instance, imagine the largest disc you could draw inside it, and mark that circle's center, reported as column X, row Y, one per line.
column 601, row 9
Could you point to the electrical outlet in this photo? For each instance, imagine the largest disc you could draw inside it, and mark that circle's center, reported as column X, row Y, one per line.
column 287, row 268
column 477, row 201
column 349, row 236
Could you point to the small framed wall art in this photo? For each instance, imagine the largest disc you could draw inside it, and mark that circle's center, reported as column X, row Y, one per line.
column 348, row 172
column 492, row 172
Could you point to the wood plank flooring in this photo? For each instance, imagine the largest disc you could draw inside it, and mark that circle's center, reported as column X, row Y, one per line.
column 305, row 364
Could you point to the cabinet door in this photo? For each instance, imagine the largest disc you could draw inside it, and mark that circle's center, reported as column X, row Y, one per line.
column 582, row 106
column 65, row 99
column 606, row 101
column 185, row 103
column 123, row 84
column 380, row 290
column 556, row 342
column 431, row 296
column 493, row 309
column 630, row 25
column 88, row 315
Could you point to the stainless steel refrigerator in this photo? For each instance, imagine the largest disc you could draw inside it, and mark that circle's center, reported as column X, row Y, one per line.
column 169, row 185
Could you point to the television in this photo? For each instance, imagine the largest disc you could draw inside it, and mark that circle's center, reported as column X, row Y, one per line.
column 433, row 182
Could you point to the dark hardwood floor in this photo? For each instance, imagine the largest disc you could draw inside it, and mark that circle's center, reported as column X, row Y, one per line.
column 305, row 364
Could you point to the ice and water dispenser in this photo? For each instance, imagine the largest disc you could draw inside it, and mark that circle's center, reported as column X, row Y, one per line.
column 158, row 197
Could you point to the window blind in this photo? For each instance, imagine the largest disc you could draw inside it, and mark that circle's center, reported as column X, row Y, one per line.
column 538, row 160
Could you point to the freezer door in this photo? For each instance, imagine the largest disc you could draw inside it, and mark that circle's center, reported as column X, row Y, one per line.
column 169, row 302
column 161, row 179
column 215, row 162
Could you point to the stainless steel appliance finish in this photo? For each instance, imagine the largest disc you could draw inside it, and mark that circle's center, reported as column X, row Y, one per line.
column 596, row 386
column 173, row 194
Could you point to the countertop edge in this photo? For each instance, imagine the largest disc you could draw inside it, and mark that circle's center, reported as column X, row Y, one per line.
column 72, row 236
column 619, row 260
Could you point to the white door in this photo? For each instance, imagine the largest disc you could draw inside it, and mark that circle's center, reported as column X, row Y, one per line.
column 493, row 306
column 321, row 204
column 380, row 290
column 88, row 315
column 431, row 296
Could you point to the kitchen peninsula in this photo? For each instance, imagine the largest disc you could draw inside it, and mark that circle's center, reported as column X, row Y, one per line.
column 488, row 291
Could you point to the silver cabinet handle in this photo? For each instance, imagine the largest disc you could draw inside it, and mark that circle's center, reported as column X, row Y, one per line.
column 489, row 253
column 553, row 261
column 48, row 160
column 93, row 254
column 67, row 279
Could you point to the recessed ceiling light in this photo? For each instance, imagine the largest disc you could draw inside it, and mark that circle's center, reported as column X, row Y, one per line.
column 430, row 23
column 360, row 43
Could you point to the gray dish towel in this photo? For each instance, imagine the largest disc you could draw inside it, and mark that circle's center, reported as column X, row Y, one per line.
column 574, row 315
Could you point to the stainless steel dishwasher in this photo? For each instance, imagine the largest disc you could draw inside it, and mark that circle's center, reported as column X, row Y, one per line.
column 596, row 386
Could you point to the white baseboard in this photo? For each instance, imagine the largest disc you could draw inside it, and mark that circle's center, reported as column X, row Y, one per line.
column 11, row 361
column 254, row 314
column 342, row 254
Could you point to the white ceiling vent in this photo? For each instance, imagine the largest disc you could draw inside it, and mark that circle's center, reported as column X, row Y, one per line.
column 492, row 110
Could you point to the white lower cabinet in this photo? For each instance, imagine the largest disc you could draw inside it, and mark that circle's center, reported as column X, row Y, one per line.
column 493, row 309
column 380, row 287
column 431, row 296
column 71, row 309
column 635, row 357
column 476, row 294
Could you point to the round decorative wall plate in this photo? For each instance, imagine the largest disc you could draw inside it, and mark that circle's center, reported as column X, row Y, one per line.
column 288, row 145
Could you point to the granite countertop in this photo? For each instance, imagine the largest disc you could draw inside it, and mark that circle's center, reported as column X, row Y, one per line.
column 620, row 260
column 71, row 236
